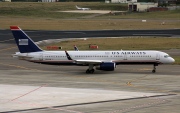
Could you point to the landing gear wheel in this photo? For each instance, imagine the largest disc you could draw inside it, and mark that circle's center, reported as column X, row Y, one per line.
column 153, row 71
column 90, row 71
column 154, row 68
column 87, row 71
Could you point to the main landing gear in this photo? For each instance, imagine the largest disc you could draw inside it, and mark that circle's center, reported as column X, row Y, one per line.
column 90, row 70
column 154, row 68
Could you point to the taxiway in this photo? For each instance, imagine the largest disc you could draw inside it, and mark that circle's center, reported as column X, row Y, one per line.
column 38, row 35
column 27, row 87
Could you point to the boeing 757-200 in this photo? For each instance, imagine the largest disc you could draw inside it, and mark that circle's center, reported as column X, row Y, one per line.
column 100, row 60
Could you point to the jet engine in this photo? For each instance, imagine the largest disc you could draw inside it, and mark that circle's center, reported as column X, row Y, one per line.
column 106, row 66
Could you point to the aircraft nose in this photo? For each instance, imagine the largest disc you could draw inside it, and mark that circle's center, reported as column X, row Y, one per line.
column 172, row 60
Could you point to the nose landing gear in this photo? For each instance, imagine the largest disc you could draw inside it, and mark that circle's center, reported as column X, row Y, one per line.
column 154, row 68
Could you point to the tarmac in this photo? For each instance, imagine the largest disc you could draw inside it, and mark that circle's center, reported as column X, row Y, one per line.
column 93, row 11
column 27, row 87
column 39, row 35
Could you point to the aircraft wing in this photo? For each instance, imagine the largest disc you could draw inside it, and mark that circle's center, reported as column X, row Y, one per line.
column 84, row 62
column 88, row 61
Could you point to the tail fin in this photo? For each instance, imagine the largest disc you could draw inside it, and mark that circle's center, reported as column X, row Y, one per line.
column 78, row 7
column 23, row 41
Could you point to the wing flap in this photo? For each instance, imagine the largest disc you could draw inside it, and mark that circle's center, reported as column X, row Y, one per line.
column 88, row 61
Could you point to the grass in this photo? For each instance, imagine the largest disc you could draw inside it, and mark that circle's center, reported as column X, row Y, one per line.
column 123, row 43
column 43, row 16
column 177, row 59
column 174, row 14
column 85, row 24
column 38, row 10
column 48, row 10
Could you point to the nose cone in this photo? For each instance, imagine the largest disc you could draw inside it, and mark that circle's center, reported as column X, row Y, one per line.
column 172, row 60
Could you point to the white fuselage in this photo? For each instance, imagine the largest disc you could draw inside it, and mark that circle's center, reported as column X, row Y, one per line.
column 118, row 57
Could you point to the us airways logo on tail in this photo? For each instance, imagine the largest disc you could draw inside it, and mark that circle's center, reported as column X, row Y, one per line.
column 132, row 53
column 23, row 41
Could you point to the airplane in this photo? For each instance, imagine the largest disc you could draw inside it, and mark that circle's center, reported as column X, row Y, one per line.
column 79, row 8
column 100, row 60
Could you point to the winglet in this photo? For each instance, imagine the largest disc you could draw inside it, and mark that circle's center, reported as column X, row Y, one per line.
column 75, row 48
column 68, row 56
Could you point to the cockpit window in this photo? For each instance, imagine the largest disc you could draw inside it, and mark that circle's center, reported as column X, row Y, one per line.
column 166, row 56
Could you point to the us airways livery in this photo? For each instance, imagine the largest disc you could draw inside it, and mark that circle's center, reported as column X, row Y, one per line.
column 100, row 60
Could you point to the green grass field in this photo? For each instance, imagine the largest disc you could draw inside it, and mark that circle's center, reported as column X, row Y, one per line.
column 32, row 23
column 152, row 43
column 146, row 15
column 48, row 10
column 44, row 16
column 177, row 59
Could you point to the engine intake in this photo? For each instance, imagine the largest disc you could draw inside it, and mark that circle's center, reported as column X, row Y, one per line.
column 106, row 66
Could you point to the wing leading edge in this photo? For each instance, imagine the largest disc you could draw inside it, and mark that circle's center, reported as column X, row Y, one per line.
column 83, row 61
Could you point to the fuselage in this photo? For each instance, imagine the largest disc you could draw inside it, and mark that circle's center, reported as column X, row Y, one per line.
column 118, row 57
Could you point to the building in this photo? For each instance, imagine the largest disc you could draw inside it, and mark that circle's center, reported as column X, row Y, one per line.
column 141, row 7
column 122, row 1
column 167, row 2
column 127, row 1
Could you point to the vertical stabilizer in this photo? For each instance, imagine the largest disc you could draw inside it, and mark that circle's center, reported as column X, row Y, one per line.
column 23, row 41
column 78, row 7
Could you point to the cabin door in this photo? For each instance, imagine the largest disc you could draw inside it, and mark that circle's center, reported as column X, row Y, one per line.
column 125, row 56
column 157, row 56
column 41, row 56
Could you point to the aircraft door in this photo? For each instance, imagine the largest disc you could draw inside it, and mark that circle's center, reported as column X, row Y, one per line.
column 157, row 56
column 125, row 56
column 41, row 56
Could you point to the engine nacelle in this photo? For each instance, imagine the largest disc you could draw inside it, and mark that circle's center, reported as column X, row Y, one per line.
column 106, row 66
